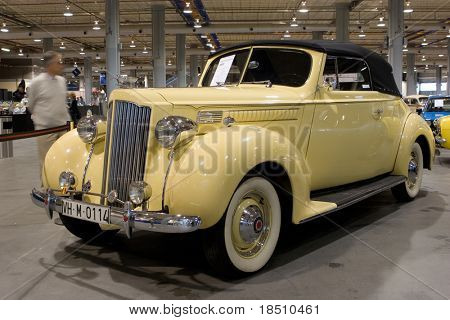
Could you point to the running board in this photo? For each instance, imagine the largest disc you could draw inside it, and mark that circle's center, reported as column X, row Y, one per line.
column 350, row 194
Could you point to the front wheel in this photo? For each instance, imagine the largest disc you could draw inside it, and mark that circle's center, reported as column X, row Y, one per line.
column 246, row 237
column 409, row 189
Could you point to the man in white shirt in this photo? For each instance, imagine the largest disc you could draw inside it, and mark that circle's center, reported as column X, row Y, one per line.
column 47, row 102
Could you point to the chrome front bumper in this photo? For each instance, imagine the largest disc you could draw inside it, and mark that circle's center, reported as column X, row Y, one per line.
column 126, row 217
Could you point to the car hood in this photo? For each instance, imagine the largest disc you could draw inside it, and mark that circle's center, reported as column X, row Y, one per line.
column 243, row 94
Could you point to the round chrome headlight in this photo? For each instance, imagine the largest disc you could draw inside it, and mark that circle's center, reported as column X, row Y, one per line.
column 87, row 128
column 67, row 180
column 167, row 129
column 139, row 192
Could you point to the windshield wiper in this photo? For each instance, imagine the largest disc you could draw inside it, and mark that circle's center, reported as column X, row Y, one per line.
column 268, row 83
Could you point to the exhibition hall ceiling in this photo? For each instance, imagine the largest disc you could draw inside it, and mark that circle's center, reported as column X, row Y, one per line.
column 223, row 22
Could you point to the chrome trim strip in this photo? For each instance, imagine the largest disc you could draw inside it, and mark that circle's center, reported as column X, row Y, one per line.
column 106, row 151
column 86, row 166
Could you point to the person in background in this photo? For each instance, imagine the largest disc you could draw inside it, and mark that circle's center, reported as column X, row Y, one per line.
column 47, row 104
column 19, row 94
column 81, row 102
column 73, row 109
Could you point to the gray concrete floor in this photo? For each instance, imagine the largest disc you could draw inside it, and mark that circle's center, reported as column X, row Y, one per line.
column 377, row 249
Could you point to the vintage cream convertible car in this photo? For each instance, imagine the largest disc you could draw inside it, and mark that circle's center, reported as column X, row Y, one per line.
column 276, row 132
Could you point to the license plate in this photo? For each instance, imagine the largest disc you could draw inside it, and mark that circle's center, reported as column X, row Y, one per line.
column 86, row 211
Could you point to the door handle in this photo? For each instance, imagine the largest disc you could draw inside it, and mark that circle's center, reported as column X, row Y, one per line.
column 378, row 113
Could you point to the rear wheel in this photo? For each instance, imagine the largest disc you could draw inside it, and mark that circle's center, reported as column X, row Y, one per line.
column 246, row 237
column 408, row 190
column 88, row 231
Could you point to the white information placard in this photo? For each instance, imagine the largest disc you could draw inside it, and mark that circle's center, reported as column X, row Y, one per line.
column 223, row 68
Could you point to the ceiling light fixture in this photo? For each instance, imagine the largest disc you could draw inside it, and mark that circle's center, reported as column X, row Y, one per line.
column 441, row 55
column 187, row 8
column 448, row 36
column 408, row 8
column 4, row 28
column 204, row 36
column 96, row 25
column 132, row 45
column 287, row 34
column 303, row 9
column 37, row 40
column 145, row 50
column 97, row 56
column 381, row 23
column 82, row 51
column 169, row 63
column 197, row 24
column 20, row 52
column 6, row 49
column 294, row 22
column 62, row 46
column 67, row 13
column 424, row 42
column 362, row 34
column 213, row 50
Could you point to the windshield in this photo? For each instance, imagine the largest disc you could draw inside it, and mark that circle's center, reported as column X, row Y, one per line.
column 438, row 105
column 270, row 66
column 226, row 70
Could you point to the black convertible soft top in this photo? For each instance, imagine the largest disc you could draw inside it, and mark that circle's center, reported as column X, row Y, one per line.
column 380, row 69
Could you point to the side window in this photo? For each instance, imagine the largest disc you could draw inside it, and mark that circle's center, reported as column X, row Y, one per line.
column 353, row 75
column 330, row 72
column 283, row 67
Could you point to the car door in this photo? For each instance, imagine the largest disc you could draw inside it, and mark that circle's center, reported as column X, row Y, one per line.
column 350, row 139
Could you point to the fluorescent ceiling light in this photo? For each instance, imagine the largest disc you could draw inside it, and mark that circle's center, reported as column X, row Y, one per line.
column 37, row 40
column 408, row 8
column 187, row 8
column 67, row 13
column 96, row 25
column 294, row 22
column 197, row 24
column 4, row 28
column 6, row 49
column 303, row 9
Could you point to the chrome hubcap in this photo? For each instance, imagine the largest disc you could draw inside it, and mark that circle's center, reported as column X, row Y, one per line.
column 413, row 168
column 251, row 225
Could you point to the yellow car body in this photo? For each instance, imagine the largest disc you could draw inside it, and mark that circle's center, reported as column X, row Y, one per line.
column 321, row 138
column 329, row 151
column 443, row 132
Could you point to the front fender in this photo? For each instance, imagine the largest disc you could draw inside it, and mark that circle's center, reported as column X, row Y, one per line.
column 69, row 153
column 204, row 177
column 415, row 127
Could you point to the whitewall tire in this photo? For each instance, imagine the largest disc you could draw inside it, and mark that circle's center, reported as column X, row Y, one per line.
column 245, row 239
column 408, row 190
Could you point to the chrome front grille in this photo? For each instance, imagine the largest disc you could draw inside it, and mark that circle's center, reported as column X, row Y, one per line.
column 129, row 134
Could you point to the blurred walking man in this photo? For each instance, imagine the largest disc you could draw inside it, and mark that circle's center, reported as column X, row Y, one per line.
column 47, row 102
